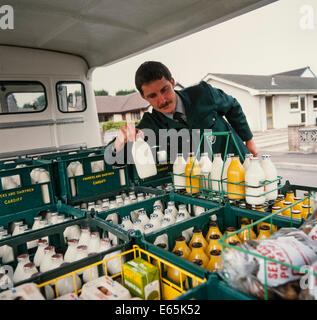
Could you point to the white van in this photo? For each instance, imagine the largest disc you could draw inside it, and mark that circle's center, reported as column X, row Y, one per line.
column 49, row 49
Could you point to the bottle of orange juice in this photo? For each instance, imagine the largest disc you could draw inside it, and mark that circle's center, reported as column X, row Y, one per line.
column 191, row 170
column 236, row 174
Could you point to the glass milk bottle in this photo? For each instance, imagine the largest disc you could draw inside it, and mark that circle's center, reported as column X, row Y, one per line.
column 205, row 168
column 179, row 169
column 148, row 228
column 72, row 232
column 39, row 254
column 155, row 220
column 105, row 244
column 29, row 270
column 182, row 209
column 70, row 175
column 44, row 178
column 271, row 175
column 254, row 179
column 127, row 222
column 215, row 173
column 90, row 273
column 46, row 261
column 236, row 174
column 143, row 217
column 187, row 234
column 70, row 254
column 169, row 214
column 66, row 285
column 94, row 242
column 225, row 171
column 246, row 162
column 81, row 252
column 84, row 236
column 18, row 274
column 143, row 158
column 171, row 206
column 56, row 261
column 158, row 211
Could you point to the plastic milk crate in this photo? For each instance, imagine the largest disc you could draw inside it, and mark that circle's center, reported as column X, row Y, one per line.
column 25, row 184
column 168, row 290
column 55, row 234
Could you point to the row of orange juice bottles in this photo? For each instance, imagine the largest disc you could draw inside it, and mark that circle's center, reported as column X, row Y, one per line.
column 206, row 251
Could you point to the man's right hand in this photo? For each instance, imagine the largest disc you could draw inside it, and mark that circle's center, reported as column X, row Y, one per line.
column 126, row 133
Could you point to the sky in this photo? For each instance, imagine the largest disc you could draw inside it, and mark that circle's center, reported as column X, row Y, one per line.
column 279, row 37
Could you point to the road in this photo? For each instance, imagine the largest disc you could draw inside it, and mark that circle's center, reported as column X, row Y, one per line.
column 299, row 177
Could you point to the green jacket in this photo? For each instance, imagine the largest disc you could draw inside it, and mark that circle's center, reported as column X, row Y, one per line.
column 205, row 108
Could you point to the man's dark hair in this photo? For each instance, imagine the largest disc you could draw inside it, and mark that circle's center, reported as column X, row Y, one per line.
column 150, row 71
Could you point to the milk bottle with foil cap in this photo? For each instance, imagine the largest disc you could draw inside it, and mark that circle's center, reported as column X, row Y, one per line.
column 44, row 178
column 271, row 175
column 215, row 173
column 178, row 170
column 143, row 158
column 205, row 167
column 254, row 179
column 246, row 161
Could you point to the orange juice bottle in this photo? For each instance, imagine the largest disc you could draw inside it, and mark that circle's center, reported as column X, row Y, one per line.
column 198, row 253
column 173, row 273
column 247, row 234
column 198, row 237
column 306, row 209
column 233, row 238
column 180, row 245
column 308, row 201
column 215, row 262
column 236, row 174
column 213, row 244
column 280, row 199
column 213, row 229
column 290, row 196
column 265, row 232
column 191, row 170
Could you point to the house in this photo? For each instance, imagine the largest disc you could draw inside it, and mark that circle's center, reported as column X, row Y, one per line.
column 272, row 101
column 119, row 108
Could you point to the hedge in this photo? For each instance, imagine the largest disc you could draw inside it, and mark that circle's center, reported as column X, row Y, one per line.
column 111, row 125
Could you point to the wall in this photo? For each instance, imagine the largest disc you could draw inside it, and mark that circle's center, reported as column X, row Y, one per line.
column 250, row 104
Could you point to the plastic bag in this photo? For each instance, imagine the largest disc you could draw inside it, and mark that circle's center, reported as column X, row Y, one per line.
column 250, row 274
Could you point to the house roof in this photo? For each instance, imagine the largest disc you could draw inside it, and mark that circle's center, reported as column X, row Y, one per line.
column 295, row 72
column 121, row 104
column 258, row 84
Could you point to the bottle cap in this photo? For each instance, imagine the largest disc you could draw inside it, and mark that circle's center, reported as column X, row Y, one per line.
column 216, row 252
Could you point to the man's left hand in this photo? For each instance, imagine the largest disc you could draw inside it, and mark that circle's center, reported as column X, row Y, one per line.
column 252, row 147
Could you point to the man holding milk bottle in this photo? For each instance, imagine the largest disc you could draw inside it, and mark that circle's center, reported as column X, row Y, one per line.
column 199, row 108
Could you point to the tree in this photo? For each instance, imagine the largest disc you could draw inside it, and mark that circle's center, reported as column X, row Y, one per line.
column 101, row 92
column 124, row 92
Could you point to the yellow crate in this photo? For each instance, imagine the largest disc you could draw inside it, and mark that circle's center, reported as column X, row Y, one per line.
column 169, row 289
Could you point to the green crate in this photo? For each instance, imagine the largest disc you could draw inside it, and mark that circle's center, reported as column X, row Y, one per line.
column 147, row 205
column 26, row 195
column 214, row 289
column 56, row 238
column 90, row 185
column 227, row 216
column 163, row 175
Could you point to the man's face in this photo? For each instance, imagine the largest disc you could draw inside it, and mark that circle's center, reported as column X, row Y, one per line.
column 161, row 95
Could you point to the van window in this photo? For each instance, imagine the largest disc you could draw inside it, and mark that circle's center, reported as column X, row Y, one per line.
column 22, row 97
column 71, row 96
